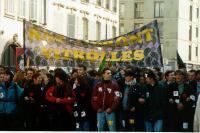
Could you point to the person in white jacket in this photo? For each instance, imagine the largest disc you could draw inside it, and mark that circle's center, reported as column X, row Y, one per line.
column 196, row 125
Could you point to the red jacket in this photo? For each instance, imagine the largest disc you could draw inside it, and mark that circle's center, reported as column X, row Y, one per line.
column 68, row 101
column 106, row 95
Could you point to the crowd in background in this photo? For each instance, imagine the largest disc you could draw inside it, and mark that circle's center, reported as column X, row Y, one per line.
column 115, row 99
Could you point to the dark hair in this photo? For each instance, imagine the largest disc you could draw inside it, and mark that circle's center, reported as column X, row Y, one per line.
column 198, row 71
column 9, row 72
column 129, row 73
column 104, row 70
column 179, row 72
column 168, row 72
column 82, row 66
column 151, row 75
column 193, row 71
column 92, row 73
column 74, row 71
column 30, row 69
column 61, row 74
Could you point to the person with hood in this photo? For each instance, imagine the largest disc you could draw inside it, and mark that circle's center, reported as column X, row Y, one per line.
column 9, row 99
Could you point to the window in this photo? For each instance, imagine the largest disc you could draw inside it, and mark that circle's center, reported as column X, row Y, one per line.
column 57, row 21
column 33, row 9
column 137, row 25
column 122, row 7
column 190, row 13
column 190, row 52
column 139, row 10
column 115, row 5
column 9, row 57
column 114, row 30
column 9, row 7
column 42, row 14
column 98, row 30
column 85, row 28
column 22, row 8
column 197, row 31
column 121, row 28
column 197, row 12
column 107, row 4
column 160, row 27
column 71, row 26
column 190, row 33
column 158, row 9
column 196, row 51
column 99, row 3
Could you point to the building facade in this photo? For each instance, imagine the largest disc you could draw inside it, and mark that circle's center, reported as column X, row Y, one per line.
column 178, row 22
column 80, row 19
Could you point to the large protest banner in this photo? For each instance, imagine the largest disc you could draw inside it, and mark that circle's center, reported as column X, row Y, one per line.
column 140, row 47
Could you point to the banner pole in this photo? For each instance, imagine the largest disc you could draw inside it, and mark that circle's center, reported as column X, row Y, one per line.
column 24, row 42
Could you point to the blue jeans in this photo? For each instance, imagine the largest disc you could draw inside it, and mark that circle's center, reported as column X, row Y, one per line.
column 83, row 126
column 103, row 117
column 155, row 126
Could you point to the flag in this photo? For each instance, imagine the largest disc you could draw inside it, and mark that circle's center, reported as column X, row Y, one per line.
column 180, row 62
column 102, row 64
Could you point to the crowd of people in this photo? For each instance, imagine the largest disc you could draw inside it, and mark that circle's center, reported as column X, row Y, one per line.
column 115, row 99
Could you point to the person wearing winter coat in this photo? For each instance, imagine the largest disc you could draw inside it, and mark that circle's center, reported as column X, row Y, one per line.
column 62, row 100
column 9, row 99
column 82, row 104
column 105, row 100
column 154, row 103
column 33, row 101
column 129, row 101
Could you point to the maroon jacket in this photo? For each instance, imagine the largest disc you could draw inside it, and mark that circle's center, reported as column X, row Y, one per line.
column 106, row 95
